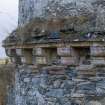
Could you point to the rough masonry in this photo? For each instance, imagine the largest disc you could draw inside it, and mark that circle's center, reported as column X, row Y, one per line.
column 59, row 53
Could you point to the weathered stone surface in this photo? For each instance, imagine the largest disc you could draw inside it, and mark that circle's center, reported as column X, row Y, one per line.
column 55, row 93
column 45, row 89
column 94, row 103
column 82, row 15
column 57, row 85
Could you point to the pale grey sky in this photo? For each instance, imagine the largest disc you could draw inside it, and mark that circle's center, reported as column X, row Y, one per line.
column 8, row 20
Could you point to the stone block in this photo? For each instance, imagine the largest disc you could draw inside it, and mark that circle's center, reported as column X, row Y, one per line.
column 38, row 51
column 57, row 72
column 55, row 93
column 23, row 60
column 97, row 50
column 41, row 60
column 19, row 52
column 26, row 79
column 57, row 84
column 98, row 60
column 69, row 61
column 94, row 103
column 65, row 51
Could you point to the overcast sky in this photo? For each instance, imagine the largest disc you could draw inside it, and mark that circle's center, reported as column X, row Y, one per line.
column 8, row 20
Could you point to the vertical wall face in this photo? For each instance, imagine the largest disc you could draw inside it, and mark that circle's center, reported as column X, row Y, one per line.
column 28, row 9
column 57, row 86
column 84, row 15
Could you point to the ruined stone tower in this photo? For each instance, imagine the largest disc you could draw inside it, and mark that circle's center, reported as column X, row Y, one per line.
column 59, row 51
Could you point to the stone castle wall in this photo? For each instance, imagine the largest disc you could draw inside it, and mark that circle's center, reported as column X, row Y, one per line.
column 65, row 86
column 47, row 87
column 88, row 15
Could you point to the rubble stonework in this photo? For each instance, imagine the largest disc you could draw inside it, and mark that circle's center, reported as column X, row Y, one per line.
column 83, row 15
column 59, row 53
column 64, row 88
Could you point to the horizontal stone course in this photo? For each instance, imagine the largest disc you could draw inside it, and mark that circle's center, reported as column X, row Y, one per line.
column 47, row 89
